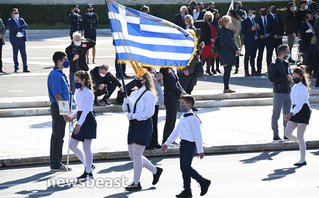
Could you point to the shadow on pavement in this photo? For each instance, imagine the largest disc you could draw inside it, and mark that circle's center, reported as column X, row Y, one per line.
column 280, row 173
column 127, row 193
column 266, row 155
column 120, row 168
column 315, row 153
column 47, row 192
column 42, row 125
column 34, row 178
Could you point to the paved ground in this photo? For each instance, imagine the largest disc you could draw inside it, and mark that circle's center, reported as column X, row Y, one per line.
column 262, row 175
column 41, row 47
column 30, row 136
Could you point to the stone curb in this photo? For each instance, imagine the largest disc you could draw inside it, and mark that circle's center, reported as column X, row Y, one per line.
column 63, row 31
column 158, row 153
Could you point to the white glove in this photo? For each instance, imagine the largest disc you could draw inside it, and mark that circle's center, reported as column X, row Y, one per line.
column 129, row 116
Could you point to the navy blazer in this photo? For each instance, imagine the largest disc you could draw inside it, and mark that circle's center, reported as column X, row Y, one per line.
column 14, row 28
column 179, row 21
column 275, row 27
column 316, row 29
column 228, row 47
column 249, row 35
column 262, row 29
column 305, row 37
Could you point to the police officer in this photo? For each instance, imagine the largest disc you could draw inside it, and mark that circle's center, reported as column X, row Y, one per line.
column 75, row 21
column 90, row 21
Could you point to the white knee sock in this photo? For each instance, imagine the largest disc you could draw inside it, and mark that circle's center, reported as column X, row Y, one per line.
column 147, row 164
column 74, row 148
column 290, row 127
column 137, row 152
column 301, row 128
column 88, row 155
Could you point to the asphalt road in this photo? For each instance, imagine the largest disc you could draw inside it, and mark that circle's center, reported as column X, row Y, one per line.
column 262, row 175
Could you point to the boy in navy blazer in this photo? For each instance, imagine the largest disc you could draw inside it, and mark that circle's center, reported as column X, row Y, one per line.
column 249, row 30
column 18, row 37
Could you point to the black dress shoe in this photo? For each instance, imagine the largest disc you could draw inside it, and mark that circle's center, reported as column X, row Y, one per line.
column 300, row 163
column 208, row 73
column 126, row 76
column 149, row 148
column 247, row 74
column 214, row 72
column 218, row 71
column 185, row 194
column 204, row 187
column 277, row 138
column 134, row 187
column 15, row 71
column 157, row 146
column 26, row 71
column 157, row 175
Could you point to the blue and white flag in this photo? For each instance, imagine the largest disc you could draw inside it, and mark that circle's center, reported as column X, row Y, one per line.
column 147, row 40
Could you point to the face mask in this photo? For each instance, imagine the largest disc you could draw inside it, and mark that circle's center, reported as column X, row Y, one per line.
column 91, row 11
column 102, row 75
column 76, row 11
column 77, row 85
column 297, row 80
column 239, row 7
column 295, row 8
column 139, row 83
column 274, row 10
column 78, row 43
column 288, row 57
column 306, row 6
column 66, row 64
column 209, row 20
column 253, row 16
column 183, row 108
column 263, row 13
column 16, row 16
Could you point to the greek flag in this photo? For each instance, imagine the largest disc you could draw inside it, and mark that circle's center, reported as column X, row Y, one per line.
column 147, row 40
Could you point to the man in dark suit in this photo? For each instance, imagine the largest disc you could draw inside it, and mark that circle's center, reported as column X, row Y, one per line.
column 172, row 92
column 316, row 29
column 276, row 28
column 306, row 32
column 180, row 18
column 263, row 39
column 2, row 32
column 18, row 37
column 75, row 20
column 249, row 30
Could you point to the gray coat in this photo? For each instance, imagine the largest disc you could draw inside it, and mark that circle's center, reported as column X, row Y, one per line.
column 2, row 31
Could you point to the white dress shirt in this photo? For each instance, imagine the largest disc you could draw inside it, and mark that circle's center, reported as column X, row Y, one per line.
column 84, row 102
column 188, row 128
column 145, row 106
column 299, row 96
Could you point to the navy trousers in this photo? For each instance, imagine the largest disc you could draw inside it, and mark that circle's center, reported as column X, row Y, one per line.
column 262, row 43
column 250, row 56
column 187, row 152
column 118, row 67
column 17, row 45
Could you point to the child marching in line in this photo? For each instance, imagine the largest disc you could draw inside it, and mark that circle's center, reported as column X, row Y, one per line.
column 189, row 131
column 85, row 129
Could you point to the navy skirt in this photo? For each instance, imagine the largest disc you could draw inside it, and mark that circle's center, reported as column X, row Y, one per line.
column 140, row 132
column 303, row 116
column 90, row 35
column 88, row 128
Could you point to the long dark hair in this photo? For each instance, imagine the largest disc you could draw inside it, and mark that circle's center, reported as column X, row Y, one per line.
column 233, row 14
column 83, row 75
column 301, row 71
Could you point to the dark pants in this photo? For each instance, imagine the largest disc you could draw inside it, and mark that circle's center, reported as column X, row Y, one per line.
column 71, row 76
column 217, row 63
column 0, row 55
column 107, row 91
column 118, row 67
column 17, row 45
column 237, row 62
column 250, row 56
column 310, row 59
column 154, row 140
column 171, row 105
column 187, row 82
column 262, row 43
column 58, row 131
column 209, row 62
column 187, row 152
column 317, row 82
column 275, row 43
column 226, row 76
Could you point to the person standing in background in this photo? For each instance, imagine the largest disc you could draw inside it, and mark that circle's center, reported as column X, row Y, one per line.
column 240, row 12
column 90, row 21
column 2, row 42
column 291, row 24
column 75, row 21
column 180, row 18
column 18, row 37
column 316, row 29
column 235, row 27
column 276, row 28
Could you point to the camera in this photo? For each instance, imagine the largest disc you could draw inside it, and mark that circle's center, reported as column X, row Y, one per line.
column 77, row 50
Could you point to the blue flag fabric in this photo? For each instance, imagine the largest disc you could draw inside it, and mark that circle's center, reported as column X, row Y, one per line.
column 147, row 40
